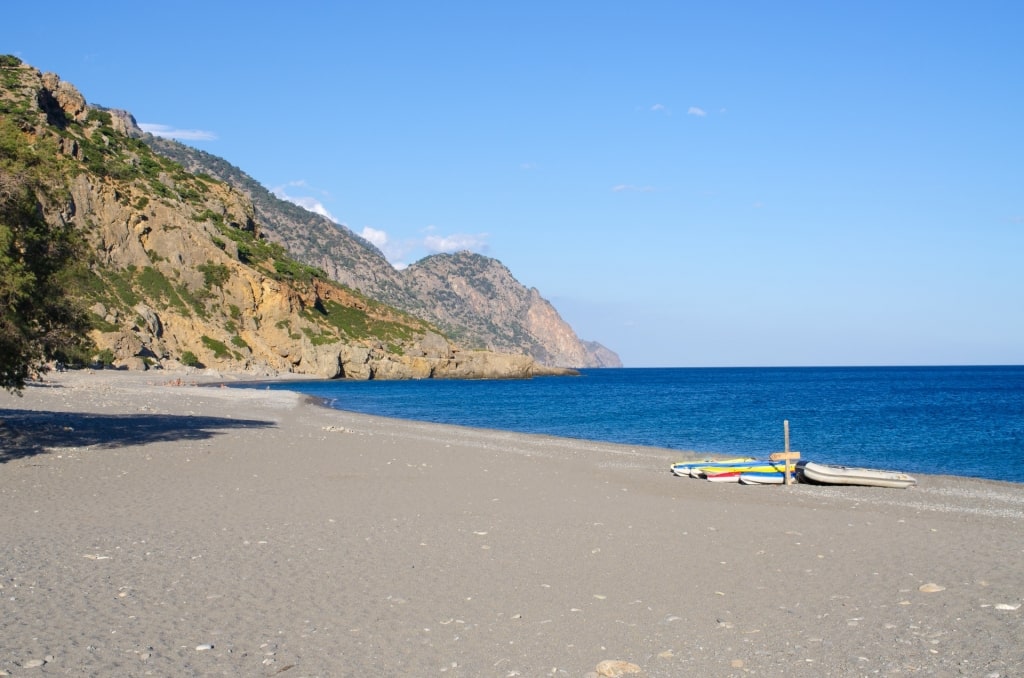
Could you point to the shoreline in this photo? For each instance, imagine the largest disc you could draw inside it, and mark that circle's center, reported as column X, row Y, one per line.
column 684, row 454
column 148, row 521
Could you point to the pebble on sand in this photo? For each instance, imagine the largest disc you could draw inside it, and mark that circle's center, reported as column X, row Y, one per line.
column 615, row 668
column 931, row 588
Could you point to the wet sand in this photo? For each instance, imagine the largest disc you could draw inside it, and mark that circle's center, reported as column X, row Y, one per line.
column 151, row 528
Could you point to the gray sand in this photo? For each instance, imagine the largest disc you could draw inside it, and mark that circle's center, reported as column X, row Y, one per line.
column 166, row 530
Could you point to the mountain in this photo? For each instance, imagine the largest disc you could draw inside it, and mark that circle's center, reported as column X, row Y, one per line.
column 478, row 302
column 180, row 271
column 474, row 299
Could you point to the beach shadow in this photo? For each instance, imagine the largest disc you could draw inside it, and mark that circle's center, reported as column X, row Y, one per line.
column 26, row 433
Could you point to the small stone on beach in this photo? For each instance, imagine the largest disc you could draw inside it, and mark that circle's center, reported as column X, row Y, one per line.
column 931, row 588
column 614, row 668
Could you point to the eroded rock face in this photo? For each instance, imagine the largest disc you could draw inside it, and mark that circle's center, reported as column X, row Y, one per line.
column 63, row 95
column 479, row 298
column 180, row 290
column 469, row 296
column 249, row 322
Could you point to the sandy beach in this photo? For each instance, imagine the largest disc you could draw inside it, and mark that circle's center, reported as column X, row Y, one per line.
column 158, row 528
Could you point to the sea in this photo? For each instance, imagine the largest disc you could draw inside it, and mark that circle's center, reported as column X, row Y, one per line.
column 966, row 421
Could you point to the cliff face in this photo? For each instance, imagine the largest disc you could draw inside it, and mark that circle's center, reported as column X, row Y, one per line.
column 477, row 300
column 474, row 299
column 182, row 274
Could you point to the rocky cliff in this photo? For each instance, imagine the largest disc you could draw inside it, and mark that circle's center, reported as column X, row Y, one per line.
column 479, row 302
column 182, row 273
column 473, row 298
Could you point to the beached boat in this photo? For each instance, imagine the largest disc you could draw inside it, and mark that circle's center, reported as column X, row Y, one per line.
column 846, row 475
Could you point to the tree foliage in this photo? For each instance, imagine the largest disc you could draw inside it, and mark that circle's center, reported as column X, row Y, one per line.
column 39, row 321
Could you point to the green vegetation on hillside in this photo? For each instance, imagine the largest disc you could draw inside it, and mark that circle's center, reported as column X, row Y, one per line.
column 55, row 260
column 39, row 320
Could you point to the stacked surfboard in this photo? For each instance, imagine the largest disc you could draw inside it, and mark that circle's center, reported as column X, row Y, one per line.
column 745, row 470
column 749, row 471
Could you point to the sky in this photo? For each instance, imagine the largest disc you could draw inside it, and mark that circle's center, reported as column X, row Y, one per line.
column 690, row 184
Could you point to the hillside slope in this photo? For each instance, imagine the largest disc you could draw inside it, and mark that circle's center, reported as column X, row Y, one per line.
column 181, row 272
column 443, row 290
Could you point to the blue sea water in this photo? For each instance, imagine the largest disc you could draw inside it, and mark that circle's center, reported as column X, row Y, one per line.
column 951, row 420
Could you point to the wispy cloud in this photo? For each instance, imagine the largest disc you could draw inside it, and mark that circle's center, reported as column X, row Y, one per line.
column 399, row 252
column 660, row 108
column 696, row 110
column 374, row 236
column 169, row 132
column 402, row 251
column 305, row 201
column 623, row 188
column 454, row 242
column 396, row 253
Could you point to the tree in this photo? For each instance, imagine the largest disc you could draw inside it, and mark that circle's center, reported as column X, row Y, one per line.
column 39, row 320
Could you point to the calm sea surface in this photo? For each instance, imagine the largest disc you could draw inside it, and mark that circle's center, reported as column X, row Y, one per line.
column 950, row 420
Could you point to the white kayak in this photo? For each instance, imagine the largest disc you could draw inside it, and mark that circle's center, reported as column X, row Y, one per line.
column 847, row 475
column 760, row 478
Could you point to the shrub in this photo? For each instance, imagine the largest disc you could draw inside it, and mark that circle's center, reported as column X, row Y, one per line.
column 219, row 348
column 105, row 357
column 214, row 275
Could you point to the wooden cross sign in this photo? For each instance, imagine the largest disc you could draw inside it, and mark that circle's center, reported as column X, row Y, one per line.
column 787, row 455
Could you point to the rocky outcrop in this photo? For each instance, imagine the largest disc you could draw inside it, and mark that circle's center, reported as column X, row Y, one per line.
column 60, row 100
column 602, row 356
column 477, row 299
column 471, row 297
column 181, row 273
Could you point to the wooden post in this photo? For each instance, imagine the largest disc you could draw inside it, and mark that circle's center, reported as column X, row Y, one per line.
column 786, row 455
column 785, row 435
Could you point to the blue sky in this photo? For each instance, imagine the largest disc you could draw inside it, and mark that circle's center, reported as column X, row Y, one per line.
column 691, row 184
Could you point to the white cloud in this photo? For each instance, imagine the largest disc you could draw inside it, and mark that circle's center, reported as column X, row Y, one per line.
column 399, row 252
column 173, row 133
column 696, row 110
column 374, row 236
column 306, row 202
column 660, row 108
column 394, row 252
column 456, row 242
column 621, row 188
column 314, row 205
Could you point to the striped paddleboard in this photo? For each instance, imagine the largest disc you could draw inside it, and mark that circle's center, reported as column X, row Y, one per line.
column 687, row 468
